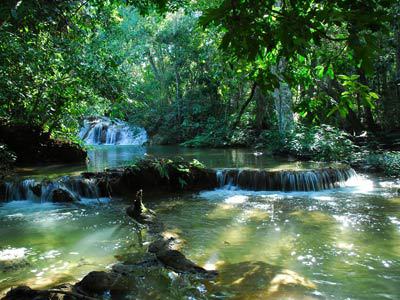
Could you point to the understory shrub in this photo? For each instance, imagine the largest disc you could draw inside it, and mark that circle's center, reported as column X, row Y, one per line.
column 214, row 135
column 387, row 162
column 324, row 143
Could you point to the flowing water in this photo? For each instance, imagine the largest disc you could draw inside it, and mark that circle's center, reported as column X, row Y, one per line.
column 340, row 243
column 102, row 130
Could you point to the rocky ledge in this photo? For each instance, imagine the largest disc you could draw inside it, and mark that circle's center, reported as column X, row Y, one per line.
column 31, row 144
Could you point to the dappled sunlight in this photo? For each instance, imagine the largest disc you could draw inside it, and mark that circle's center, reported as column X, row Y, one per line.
column 223, row 211
column 235, row 234
column 258, row 280
column 313, row 218
column 395, row 201
column 256, row 215
column 65, row 242
column 287, row 278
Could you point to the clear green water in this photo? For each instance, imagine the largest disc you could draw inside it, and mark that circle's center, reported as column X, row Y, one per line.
column 347, row 242
column 338, row 244
column 59, row 242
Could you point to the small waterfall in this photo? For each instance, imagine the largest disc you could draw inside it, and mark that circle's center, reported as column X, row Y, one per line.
column 29, row 189
column 20, row 190
column 104, row 131
column 263, row 180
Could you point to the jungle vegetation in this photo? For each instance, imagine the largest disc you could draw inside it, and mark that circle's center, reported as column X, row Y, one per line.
column 302, row 77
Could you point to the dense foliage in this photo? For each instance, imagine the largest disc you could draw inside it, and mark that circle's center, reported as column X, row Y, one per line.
column 296, row 75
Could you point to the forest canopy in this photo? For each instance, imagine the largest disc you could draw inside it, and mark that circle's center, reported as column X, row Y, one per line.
column 233, row 72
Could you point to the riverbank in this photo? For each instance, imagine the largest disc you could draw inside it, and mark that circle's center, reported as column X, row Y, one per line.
column 30, row 144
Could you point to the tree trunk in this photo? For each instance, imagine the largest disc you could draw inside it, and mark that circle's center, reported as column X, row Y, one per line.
column 369, row 118
column 244, row 106
column 260, row 109
column 283, row 99
column 398, row 51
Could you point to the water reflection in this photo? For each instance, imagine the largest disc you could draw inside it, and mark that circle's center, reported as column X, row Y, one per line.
column 106, row 156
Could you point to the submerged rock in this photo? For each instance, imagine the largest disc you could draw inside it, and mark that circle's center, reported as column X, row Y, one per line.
column 177, row 261
column 165, row 250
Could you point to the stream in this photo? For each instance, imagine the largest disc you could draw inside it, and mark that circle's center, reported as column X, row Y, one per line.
column 341, row 243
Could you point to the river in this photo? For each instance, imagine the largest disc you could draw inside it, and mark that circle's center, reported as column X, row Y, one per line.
column 341, row 243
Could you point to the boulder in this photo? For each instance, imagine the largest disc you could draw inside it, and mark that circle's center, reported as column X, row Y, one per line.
column 63, row 195
column 98, row 282
column 36, row 189
column 162, row 244
column 26, row 293
column 175, row 260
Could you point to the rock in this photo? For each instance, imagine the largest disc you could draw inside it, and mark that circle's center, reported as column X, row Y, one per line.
column 177, row 261
column 98, row 282
column 65, row 287
column 139, row 212
column 26, row 293
column 63, row 195
column 36, row 189
column 162, row 244
column 3, row 190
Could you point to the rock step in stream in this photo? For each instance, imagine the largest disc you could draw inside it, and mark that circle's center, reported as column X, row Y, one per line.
column 167, row 175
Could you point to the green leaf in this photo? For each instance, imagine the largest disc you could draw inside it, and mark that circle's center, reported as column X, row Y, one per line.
column 320, row 71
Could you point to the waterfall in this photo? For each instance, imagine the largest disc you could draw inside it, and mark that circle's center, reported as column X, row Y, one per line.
column 308, row 180
column 29, row 189
column 104, row 131
column 20, row 190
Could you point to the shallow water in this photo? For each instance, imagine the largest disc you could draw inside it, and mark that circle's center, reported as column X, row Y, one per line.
column 335, row 244
column 346, row 241
column 57, row 243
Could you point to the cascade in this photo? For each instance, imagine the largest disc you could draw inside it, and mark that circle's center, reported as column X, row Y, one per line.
column 102, row 130
column 29, row 189
column 307, row 180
